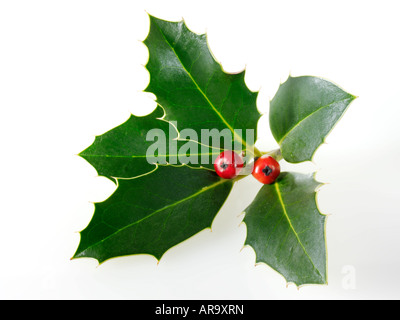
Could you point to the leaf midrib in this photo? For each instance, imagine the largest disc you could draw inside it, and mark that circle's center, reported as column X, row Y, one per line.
column 214, row 185
column 278, row 192
column 311, row 114
column 144, row 156
column 200, row 90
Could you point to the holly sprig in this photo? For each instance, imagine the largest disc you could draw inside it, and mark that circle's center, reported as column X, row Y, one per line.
column 157, row 205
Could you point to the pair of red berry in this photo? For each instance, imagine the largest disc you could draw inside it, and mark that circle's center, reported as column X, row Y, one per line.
column 229, row 164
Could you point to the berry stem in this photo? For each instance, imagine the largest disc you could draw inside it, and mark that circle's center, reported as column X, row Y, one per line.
column 276, row 154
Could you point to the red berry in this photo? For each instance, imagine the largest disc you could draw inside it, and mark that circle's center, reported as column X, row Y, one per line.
column 266, row 169
column 228, row 164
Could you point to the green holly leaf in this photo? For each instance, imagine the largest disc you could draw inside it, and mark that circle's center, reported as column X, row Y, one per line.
column 130, row 149
column 121, row 152
column 287, row 231
column 192, row 87
column 152, row 213
column 303, row 112
column 164, row 195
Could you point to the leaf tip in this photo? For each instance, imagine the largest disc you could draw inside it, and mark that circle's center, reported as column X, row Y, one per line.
column 353, row 97
column 150, row 15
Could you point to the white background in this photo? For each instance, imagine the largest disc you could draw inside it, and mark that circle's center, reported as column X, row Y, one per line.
column 70, row 70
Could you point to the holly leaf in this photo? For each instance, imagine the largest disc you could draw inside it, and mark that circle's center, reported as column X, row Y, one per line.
column 192, row 87
column 121, row 152
column 154, row 212
column 129, row 150
column 303, row 112
column 286, row 229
